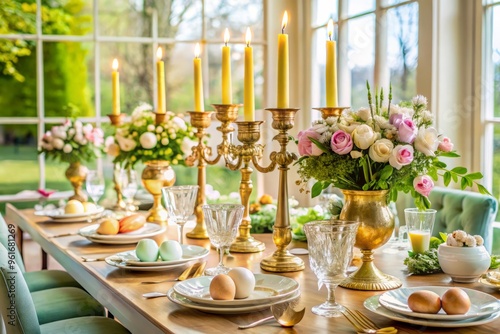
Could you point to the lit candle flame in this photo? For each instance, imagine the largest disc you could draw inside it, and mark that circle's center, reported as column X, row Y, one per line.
column 248, row 36
column 115, row 64
column 226, row 36
column 284, row 22
column 330, row 29
column 159, row 53
column 197, row 50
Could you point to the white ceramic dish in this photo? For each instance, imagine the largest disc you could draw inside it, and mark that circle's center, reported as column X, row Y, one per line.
column 58, row 215
column 481, row 303
column 180, row 300
column 189, row 253
column 268, row 288
column 463, row 264
column 373, row 305
column 116, row 262
column 147, row 231
column 484, row 281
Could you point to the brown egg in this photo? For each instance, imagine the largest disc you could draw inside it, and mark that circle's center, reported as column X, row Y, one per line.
column 455, row 301
column 424, row 301
column 222, row 287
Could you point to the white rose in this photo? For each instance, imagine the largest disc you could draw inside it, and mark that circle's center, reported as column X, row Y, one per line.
column 381, row 150
column 71, row 132
column 58, row 143
column 363, row 136
column 364, row 114
column 427, row 141
column 180, row 123
column 148, row 140
column 47, row 146
column 356, row 154
column 59, row 132
column 348, row 127
column 67, row 148
column 79, row 138
column 78, row 125
column 383, row 123
column 187, row 145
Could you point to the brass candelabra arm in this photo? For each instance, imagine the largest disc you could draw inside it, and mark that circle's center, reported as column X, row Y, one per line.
column 235, row 163
column 262, row 169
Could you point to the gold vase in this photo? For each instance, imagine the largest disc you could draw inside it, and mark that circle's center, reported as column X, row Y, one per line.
column 76, row 174
column 371, row 209
column 156, row 175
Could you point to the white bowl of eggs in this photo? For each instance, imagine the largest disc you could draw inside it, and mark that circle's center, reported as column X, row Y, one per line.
column 465, row 264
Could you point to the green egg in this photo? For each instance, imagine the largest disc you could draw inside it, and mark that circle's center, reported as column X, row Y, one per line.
column 147, row 250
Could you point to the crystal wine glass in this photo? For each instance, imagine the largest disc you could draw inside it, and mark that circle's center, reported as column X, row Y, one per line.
column 94, row 183
column 222, row 222
column 128, row 185
column 330, row 246
column 180, row 202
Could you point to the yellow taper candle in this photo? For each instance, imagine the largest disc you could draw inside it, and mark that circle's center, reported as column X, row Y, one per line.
column 226, row 71
column 283, row 85
column 160, row 72
column 331, row 69
column 198, row 81
column 115, row 88
column 249, row 100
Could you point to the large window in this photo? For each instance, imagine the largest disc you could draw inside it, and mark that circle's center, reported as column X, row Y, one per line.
column 59, row 53
column 377, row 42
column 491, row 92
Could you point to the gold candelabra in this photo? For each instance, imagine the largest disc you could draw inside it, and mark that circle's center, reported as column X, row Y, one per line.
column 281, row 260
column 117, row 120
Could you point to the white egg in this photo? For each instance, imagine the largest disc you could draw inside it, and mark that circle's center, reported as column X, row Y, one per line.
column 147, row 250
column 244, row 280
column 170, row 250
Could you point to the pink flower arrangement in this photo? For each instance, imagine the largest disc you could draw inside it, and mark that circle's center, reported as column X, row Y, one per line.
column 72, row 141
column 392, row 148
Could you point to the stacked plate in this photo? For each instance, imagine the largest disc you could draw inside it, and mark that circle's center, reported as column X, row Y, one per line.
column 394, row 305
column 58, row 215
column 147, row 231
column 129, row 260
column 269, row 290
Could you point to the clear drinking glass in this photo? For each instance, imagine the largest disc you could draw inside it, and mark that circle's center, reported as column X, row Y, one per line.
column 330, row 244
column 222, row 222
column 420, row 225
column 94, row 183
column 128, row 184
column 180, row 202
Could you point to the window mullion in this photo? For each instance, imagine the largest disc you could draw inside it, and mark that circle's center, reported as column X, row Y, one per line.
column 381, row 70
column 40, row 91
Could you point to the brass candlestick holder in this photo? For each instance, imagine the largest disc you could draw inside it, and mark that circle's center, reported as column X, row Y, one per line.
column 226, row 113
column 281, row 260
column 117, row 120
column 248, row 135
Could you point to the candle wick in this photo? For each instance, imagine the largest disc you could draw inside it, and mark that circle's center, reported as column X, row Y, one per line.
column 225, row 43
column 248, row 44
column 283, row 30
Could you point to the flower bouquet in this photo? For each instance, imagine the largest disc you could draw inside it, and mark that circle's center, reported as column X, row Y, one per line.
column 393, row 147
column 141, row 139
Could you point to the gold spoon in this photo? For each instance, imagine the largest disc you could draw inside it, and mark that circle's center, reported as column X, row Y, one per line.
column 284, row 314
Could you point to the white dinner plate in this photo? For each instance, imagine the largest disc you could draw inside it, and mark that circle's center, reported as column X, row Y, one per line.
column 484, row 281
column 373, row 305
column 481, row 303
column 268, row 288
column 147, row 231
column 58, row 215
column 183, row 301
column 116, row 262
column 189, row 253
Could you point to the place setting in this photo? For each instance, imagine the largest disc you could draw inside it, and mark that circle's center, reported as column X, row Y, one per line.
column 74, row 211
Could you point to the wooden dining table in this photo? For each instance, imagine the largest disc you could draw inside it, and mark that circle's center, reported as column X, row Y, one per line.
column 120, row 290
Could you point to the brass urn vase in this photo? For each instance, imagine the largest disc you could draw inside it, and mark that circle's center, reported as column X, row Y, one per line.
column 156, row 175
column 76, row 174
column 371, row 210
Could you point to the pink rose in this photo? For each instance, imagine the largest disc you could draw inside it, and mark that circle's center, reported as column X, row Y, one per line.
column 306, row 146
column 396, row 119
column 445, row 145
column 341, row 142
column 407, row 131
column 423, row 184
column 402, row 155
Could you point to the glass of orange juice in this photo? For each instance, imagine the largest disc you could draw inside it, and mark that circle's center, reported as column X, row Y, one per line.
column 419, row 224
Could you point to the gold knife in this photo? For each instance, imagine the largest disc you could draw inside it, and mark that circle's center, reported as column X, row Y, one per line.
column 201, row 269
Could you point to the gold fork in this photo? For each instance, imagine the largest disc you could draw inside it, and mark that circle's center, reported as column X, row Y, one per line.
column 364, row 325
column 195, row 270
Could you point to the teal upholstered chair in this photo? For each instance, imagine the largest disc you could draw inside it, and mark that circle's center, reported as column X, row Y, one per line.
column 20, row 312
column 38, row 280
column 459, row 210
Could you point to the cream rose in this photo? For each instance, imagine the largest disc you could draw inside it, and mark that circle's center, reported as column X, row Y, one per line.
column 381, row 150
column 363, row 136
column 148, row 140
column 427, row 141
